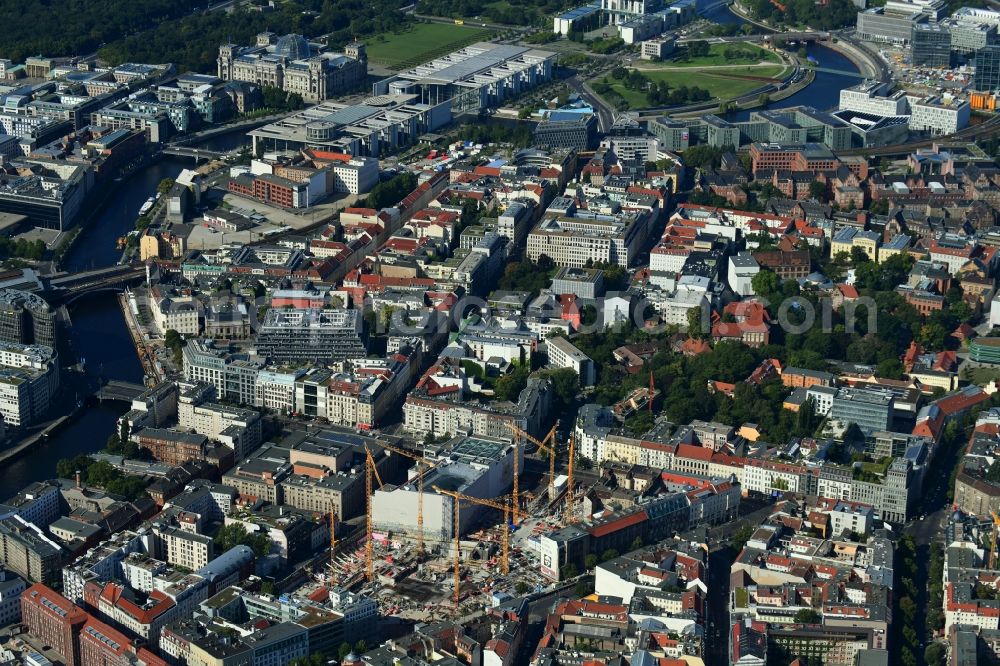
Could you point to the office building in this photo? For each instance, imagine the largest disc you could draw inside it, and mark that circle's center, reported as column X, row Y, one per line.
column 871, row 130
column 26, row 318
column 234, row 375
column 967, row 37
column 881, row 24
column 673, row 136
column 581, row 282
column 977, row 15
column 49, row 202
column 939, row 115
column 295, row 65
column 987, row 75
column 55, row 620
column 578, row 19
column 378, row 124
column 473, row 466
column 308, row 336
column 873, row 97
column 660, row 48
column 930, row 45
column 800, row 125
column 807, row 157
column 567, row 130
column 29, row 379
column 720, row 133
column 869, row 409
column 237, row 428
column 479, row 76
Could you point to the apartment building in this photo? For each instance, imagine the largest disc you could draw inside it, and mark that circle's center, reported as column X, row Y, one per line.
column 563, row 354
column 572, row 237
column 28, row 552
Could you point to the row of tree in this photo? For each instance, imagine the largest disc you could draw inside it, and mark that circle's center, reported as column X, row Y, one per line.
column 831, row 15
column 192, row 42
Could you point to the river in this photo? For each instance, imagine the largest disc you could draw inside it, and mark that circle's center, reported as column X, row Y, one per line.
column 98, row 334
column 823, row 93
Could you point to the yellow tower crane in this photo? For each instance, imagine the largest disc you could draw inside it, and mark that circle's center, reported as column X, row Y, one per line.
column 504, row 504
column 569, row 481
column 547, row 444
column 370, row 470
column 517, row 461
column 420, row 489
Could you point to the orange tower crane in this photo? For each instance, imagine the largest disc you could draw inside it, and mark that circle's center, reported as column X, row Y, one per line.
column 370, row 470
column 420, row 490
column 504, row 504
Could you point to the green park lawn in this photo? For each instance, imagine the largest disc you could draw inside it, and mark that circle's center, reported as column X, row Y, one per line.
column 420, row 43
column 723, row 83
column 716, row 56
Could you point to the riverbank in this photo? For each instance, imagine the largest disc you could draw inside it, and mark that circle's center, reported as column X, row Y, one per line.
column 866, row 62
column 147, row 357
column 66, row 245
column 30, row 441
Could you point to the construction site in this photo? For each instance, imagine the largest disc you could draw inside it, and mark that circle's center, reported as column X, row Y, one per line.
column 461, row 533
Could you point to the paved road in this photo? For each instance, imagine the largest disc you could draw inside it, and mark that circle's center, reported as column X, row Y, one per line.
column 605, row 114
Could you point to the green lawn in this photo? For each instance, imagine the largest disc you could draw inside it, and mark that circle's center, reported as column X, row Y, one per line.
column 723, row 83
column 422, row 42
column 716, row 56
column 982, row 375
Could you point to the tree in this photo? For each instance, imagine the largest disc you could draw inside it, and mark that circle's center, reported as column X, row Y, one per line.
column 344, row 650
column 361, row 647
column 521, row 588
column 807, row 616
column 165, row 185
column 565, row 385
column 230, row 536
column 582, row 589
column 509, row 386
column 765, row 283
column 636, row 543
column 698, row 49
column 817, row 190
column 890, row 368
column 695, row 327
column 934, row 654
column 267, row 587
column 609, row 554
column 741, row 536
column 315, row 659
column 569, row 571
column 590, row 561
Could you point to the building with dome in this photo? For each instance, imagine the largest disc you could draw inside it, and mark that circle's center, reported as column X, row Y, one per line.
column 295, row 65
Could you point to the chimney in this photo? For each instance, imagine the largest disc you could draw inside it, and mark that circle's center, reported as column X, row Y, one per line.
column 77, row 478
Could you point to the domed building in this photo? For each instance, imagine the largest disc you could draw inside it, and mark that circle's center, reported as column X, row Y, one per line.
column 295, row 65
column 292, row 47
